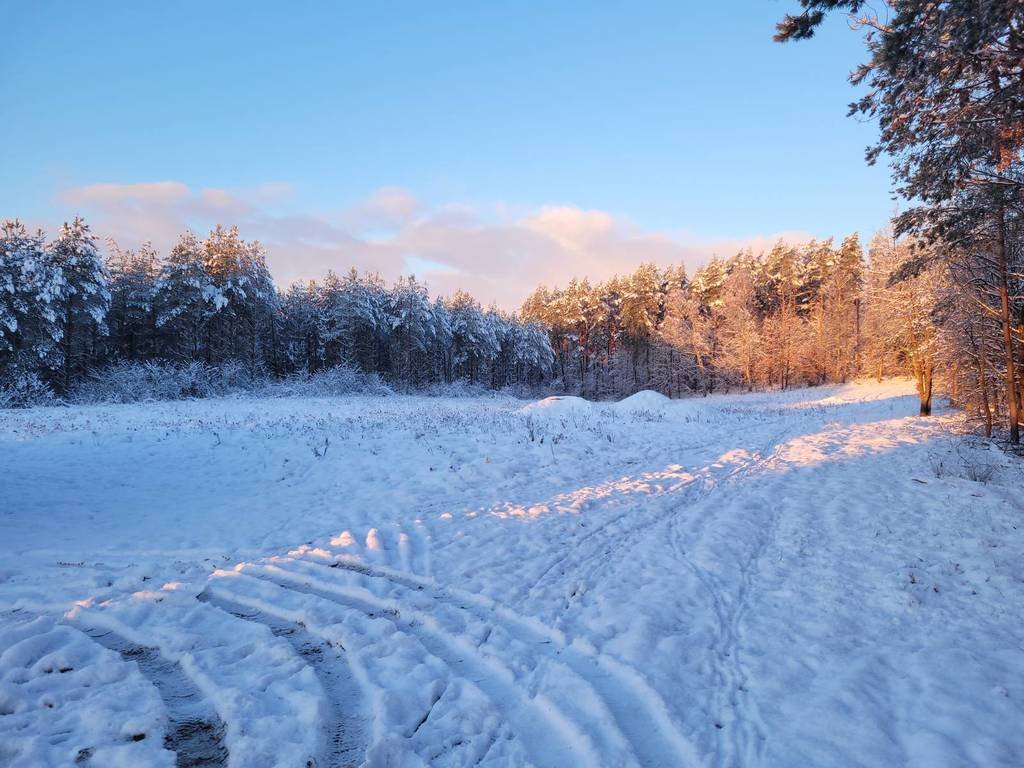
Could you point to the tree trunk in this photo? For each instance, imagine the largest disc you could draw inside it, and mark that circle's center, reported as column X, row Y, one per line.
column 926, row 395
column 983, row 382
column 68, row 343
column 1004, row 301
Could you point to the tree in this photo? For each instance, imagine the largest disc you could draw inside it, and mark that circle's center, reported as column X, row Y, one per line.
column 474, row 338
column 840, row 293
column 741, row 332
column 302, row 347
column 132, row 318
column 904, row 311
column 242, row 325
column 411, row 321
column 946, row 85
column 779, row 294
column 641, row 305
column 184, row 299
column 581, row 309
column 84, row 297
column 30, row 291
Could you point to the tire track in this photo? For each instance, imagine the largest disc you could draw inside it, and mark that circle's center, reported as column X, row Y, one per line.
column 550, row 738
column 345, row 730
column 267, row 700
column 195, row 733
column 661, row 509
column 638, row 710
column 600, row 545
column 380, row 545
column 740, row 738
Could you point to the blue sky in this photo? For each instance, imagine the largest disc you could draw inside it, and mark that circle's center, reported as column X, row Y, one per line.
column 368, row 132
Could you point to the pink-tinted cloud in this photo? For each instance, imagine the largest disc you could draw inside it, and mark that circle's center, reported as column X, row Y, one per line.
column 498, row 257
column 152, row 192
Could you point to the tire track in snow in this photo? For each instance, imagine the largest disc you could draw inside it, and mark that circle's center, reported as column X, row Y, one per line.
column 740, row 738
column 345, row 736
column 746, row 732
column 379, row 545
column 665, row 510
column 646, row 514
column 548, row 734
column 638, row 710
column 602, row 543
column 267, row 699
column 195, row 733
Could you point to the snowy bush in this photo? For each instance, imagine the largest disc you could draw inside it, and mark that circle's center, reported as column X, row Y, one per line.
column 979, row 472
column 232, row 376
column 525, row 391
column 338, row 380
column 23, row 389
column 457, row 388
column 976, row 459
column 127, row 382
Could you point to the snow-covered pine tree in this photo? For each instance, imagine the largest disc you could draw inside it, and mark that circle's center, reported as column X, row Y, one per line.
column 474, row 339
column 30, row 291
column 185, row 299
column 354, row 320
column 242, row 326
column 84, row 297
column 641, row 305
column 131, row 321
column 411, row 323
column 846, row 285
column 301, row 346
column 783, row 327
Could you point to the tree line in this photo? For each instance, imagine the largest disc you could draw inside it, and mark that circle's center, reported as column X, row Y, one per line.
column 795, row 315
column 789, row 316
column 66, row 311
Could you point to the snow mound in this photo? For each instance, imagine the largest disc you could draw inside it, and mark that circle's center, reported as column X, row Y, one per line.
column 559, row 406
column 645, row 400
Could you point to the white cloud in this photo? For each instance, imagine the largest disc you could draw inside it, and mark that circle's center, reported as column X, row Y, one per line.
column 153, row 192
column 497, row 258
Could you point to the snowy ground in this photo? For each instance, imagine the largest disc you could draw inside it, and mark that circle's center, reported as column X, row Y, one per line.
column 814, row 578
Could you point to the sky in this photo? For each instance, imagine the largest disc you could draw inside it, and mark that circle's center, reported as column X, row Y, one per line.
column 488, row 146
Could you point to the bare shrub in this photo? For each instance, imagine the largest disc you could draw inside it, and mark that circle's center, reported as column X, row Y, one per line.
column 24, row 389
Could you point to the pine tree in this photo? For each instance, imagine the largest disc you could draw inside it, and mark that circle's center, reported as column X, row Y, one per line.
column 84, row 297
column 185, row 299
column 474, row 338
column 300, row 341
column 242, row 326
column 30, row 291
column 641, row 306
column 132, row 318
column 841, row 293
column 411, row 323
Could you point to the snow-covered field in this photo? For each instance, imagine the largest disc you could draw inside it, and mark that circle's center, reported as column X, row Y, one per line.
column 813, row 578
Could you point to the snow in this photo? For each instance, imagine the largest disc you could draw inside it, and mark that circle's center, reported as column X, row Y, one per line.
column 557, row 407
column 815, row 577
column 65, row 699
column 645, row 400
